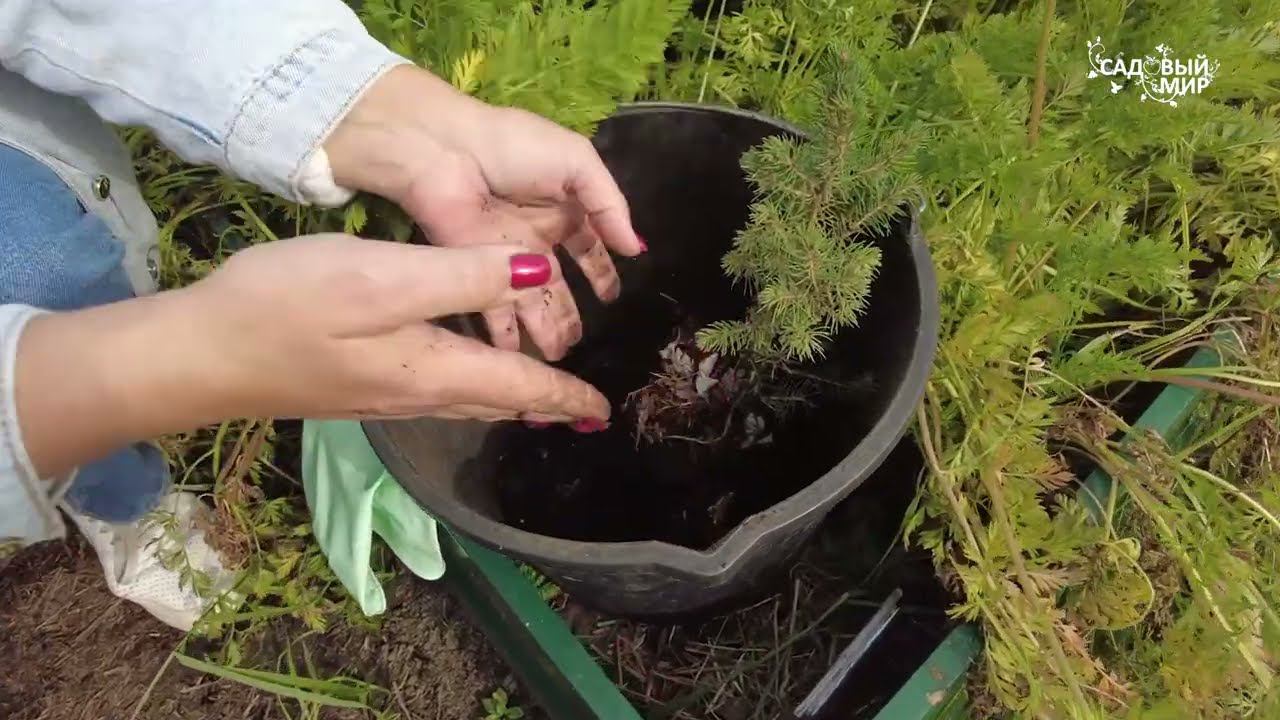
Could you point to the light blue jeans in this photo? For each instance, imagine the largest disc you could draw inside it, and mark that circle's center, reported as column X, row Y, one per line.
column 56, row 255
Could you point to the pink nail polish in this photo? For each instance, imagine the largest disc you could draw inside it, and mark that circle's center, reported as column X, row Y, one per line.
column 529, row 270
column 590, row 425
column 644, row 246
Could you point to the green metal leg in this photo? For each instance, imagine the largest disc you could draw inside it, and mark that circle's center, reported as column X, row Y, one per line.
column 935, row 691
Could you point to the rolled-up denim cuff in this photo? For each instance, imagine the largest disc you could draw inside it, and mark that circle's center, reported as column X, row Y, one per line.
column 293, row 108
column 121, row 487
column 27, row 509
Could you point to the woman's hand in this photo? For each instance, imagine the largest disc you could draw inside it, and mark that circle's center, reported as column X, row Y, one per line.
column 473, row 174
column 327, row 326
column 332, row 325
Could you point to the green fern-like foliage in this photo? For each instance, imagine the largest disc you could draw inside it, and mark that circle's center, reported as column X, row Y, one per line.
column 804, row 250
column 768, row 55
column 572, row 61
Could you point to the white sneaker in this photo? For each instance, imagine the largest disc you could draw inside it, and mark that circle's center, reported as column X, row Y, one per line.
column 130, row 557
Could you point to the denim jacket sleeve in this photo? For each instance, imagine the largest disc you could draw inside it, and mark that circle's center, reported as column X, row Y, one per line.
column 30, row 514
column 251, row 86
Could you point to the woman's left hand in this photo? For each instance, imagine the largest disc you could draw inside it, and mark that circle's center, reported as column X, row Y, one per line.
column 474, row 174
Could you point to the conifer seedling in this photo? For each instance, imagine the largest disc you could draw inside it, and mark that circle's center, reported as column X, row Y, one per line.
column 806, row 257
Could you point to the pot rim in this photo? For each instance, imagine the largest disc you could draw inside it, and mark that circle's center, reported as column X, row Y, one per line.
column 818, row 496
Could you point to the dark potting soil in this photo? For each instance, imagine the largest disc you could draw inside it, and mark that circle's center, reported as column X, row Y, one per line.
column 612, row 486
column 689, row 197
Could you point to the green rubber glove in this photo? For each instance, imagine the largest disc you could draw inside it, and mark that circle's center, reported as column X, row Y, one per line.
column 352, row 496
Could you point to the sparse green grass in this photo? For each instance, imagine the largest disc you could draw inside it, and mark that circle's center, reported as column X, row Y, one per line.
column 303, row 688
column 497, row 707
column 549, row 591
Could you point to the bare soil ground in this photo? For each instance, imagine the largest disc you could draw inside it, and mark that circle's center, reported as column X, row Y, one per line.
column 70, row 650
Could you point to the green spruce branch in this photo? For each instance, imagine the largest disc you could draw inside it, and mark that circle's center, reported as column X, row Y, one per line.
column 807, row 251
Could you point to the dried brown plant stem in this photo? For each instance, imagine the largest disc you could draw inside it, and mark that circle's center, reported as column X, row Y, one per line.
column 1039, row 90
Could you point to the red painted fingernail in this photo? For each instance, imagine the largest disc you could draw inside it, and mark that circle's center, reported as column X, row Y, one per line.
column 590, row 425
column 536, row 424
column 529, row 270
column 644, row 246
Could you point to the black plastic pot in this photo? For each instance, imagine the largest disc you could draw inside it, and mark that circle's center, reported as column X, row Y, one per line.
column 679, row 168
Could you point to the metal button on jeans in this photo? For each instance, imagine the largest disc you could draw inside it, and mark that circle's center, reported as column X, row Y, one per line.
column 153, row 263
column 102, row 187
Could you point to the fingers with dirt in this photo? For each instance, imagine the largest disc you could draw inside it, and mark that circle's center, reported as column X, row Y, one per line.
column 460, row 375
column 592, row 257
column 504, row 327
column 552, row 319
